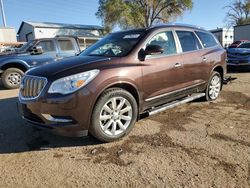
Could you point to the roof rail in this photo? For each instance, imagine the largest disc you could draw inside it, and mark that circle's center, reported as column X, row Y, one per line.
column 177, row 24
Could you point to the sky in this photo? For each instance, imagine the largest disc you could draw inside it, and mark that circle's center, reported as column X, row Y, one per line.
column 208, row 14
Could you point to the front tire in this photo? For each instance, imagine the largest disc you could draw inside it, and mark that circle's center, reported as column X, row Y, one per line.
column 114, row 115
column 213, row 87
column 11, row 78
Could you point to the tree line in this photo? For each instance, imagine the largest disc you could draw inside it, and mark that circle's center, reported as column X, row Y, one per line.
column 127, row 14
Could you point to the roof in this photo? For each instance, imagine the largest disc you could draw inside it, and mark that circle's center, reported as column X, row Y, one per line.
column 242, row 25
column 220, row 30
column 58, row 25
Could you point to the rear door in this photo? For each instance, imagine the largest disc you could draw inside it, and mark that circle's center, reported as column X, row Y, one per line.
column 67, row 47
column 162, row 73
column 193, row 59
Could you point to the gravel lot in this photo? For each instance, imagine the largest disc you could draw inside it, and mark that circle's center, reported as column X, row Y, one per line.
column 194, row 145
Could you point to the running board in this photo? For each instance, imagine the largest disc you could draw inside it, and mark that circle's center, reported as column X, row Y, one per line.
column 176, row 103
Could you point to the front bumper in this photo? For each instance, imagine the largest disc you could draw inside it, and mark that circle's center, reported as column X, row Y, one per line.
column 64, row 115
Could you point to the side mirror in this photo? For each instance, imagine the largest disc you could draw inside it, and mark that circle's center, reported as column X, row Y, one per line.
column 150, row 50
column 36, row 50
column 153, row 50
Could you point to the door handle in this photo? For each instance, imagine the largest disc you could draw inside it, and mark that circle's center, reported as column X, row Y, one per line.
column 177, row 65
column 204, row 59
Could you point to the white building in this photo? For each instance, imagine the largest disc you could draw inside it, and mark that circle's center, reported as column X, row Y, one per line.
column 224, row 35
column 242, row 32
column 87, row 34
column 7, row 35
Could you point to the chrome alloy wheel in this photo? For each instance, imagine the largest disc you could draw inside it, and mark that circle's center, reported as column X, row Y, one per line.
column 14, row 78
column 115, row 116
column 214, row 87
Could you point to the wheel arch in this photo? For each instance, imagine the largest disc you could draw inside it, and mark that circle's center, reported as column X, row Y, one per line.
column 129, row 87
column 18, row 65
column 220, row 70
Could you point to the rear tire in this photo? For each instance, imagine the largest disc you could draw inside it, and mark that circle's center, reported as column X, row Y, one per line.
column 213, row 87
column 11, row 78
column 114, row 115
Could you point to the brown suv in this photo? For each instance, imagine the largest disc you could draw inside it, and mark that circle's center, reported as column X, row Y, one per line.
column 107, row 87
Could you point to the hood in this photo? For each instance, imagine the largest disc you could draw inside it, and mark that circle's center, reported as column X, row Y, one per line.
column 69, row 66
column 238, row 50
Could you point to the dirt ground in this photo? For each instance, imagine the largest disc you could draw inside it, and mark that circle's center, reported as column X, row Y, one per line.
column 198, row 144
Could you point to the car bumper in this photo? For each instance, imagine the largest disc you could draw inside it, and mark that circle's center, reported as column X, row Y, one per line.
column 64, row 115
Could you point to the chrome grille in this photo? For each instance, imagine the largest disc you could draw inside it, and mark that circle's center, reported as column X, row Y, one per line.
column 32, row 86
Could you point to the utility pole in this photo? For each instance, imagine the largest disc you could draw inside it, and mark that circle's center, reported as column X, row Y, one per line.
column 3, row 14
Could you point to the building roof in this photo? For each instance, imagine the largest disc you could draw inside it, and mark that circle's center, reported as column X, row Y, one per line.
column 220, row 30
column 58, row 25
column 242, row 25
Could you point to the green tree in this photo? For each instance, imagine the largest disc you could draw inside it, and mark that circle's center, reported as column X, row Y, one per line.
column 139, row 13
column 238, row 13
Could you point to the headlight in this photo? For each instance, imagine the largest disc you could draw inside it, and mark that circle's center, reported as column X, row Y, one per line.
column 72, row 83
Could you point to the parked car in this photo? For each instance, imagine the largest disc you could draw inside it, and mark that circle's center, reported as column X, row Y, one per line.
column 13, row 65
column 239, row 57
column 236, row 44
column 107, row 88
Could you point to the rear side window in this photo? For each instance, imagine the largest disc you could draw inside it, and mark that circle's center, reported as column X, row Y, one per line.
column 188, row 40
column 66, row 45
column 244, row 45
column 207, row 39
column 47, row 45
column 166, row 41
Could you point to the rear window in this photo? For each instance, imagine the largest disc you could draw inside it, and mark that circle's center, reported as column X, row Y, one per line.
column 207, row 39
column 188, row 40
column 66, row 45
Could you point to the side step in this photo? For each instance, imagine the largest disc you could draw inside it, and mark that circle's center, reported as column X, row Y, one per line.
column 176, row 103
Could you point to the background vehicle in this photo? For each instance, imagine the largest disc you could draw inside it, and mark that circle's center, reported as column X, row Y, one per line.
column 236, row 44
column 239, row 57
column 32, row 54
column 111, row 84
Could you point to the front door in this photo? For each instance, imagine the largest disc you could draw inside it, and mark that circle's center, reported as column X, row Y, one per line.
column 49, row 52
column 162, row 73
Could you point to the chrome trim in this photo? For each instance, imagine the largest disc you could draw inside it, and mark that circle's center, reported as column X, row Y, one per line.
column 172, row 92
column 32, row 98
column 58, row 120
column 176, row 103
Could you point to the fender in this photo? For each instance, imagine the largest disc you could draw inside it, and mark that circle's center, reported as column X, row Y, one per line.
column 16, row 61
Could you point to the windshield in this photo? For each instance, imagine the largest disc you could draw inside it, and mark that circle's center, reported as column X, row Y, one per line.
column 27, row 46
column 245, row 45
column 114, row 45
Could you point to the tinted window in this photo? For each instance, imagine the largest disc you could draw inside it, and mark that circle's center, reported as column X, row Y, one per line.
column 47, row 45
column 207, row 39
column 188, row 40
column 66, row 45
column 244, row 45
column 166, row 41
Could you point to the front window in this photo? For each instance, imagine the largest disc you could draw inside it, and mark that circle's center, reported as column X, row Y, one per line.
column 47, row 45
column 166, row 41
column 114, row 45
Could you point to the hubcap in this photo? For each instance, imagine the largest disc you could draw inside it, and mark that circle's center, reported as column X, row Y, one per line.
column 115, row 116
column 14, row 78
column 214, row 87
